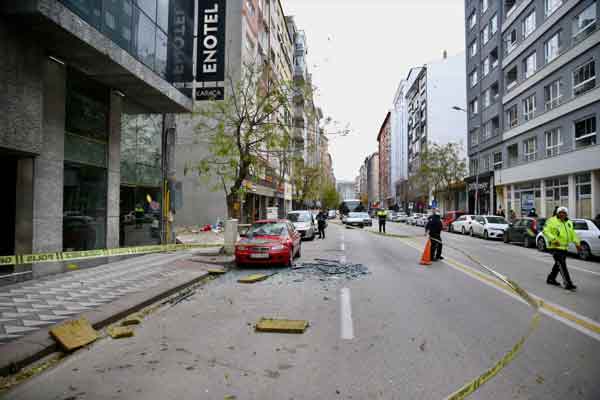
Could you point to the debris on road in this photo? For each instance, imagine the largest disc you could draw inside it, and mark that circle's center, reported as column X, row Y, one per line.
column 281, row 326
column 120, row 332
column 132, row 320
column 216, row 271
column 74, row 334
column 327, row 269
column 255, row 278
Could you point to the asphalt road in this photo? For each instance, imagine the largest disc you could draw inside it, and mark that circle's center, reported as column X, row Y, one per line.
column 403, row 331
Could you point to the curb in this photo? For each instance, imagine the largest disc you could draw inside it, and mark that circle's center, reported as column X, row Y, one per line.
column 33, row 347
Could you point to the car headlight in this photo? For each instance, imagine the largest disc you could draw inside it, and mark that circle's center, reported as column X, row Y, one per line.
column 278, row 247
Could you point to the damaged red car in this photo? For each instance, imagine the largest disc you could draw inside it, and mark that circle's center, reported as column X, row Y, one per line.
column 271, row 242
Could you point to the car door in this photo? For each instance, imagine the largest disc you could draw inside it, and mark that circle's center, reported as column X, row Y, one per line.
column 520, row 230
column 582, row 230
column 477, row 225
column 594, row 235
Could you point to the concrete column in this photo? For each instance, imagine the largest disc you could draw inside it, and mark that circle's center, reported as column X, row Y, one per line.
column 572, row 197
column 492, row 207
column 231, row 235
column 595, row 193
column 48, row 170
column 114, row 171
column 512, row 200
column 543, row 210
column 24, row 209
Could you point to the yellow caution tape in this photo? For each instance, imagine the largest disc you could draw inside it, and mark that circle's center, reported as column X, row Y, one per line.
column 88, row 254
column 470, row 387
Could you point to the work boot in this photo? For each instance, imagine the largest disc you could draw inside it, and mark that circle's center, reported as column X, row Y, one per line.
column 552, row 282
column 571, row 287
column 440, row 258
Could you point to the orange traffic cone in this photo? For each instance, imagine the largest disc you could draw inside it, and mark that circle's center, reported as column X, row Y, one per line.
column 426, row 257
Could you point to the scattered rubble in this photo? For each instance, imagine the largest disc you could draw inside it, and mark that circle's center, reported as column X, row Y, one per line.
column 326, row 270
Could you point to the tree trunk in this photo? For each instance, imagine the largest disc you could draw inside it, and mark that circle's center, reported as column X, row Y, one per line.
column 233, row 206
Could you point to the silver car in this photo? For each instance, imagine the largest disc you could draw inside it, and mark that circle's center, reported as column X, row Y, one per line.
column 589, row 234
column 304, row 223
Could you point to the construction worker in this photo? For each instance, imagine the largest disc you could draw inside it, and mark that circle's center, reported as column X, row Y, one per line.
column 434, row 227
column 382, row 218
column 559, row 233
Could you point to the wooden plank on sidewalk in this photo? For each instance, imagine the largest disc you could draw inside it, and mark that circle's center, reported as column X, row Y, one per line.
column 281, row 325
column 74, row 334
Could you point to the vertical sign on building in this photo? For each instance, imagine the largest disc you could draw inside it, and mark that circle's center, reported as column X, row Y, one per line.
column 180, row 55
column 210, row 52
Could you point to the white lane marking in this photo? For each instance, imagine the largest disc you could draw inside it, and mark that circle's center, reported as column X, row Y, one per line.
column 346, row 326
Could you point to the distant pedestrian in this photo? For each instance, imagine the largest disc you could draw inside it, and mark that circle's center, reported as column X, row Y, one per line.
column 434, row 228
column 382, row 218
column 512, row 216
column 532, row 213
column 500, row 212
column 322, row 223
column 559, row 233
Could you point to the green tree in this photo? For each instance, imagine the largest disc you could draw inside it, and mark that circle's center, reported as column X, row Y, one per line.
column 330, row 198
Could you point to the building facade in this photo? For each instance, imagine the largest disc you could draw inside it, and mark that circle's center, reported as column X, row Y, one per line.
column 86, row 85
column 437, row 88
column 373, row 179
column 544, row 152
column 347, row 190
column 384, row 138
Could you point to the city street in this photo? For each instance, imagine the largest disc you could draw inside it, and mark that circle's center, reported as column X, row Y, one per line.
column 403, row 331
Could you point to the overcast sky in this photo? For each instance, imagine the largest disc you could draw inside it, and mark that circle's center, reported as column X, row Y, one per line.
column 360, row 50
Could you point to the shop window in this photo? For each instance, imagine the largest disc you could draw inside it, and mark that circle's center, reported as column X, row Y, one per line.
column 583, row 185
column 84, row 208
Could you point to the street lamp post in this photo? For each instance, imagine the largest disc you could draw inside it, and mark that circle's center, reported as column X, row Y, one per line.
column 457, row 108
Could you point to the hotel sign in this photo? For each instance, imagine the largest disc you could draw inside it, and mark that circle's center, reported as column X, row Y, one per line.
column 210, row 50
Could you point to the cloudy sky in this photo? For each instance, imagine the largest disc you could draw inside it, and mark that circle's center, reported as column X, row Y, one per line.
column 359, row 50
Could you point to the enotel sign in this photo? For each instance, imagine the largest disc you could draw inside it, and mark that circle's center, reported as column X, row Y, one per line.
column 210, row 60
column 181, row 48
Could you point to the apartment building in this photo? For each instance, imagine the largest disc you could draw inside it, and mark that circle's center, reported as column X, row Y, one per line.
column 372, row 163
column 436, row 89
column 384, row 139
column 82, row 132
column 533, row 138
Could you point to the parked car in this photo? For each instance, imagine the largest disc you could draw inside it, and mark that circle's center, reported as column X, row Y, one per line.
column 462, row 224
column 269, row 242
column 360, row 219
column 589, row 234
column 488, row 227
column 422, row 220
column 304, row 222
column 331, row 214
column 450, row 217
column 412, row 220
column 399, row 217
column 524, row 231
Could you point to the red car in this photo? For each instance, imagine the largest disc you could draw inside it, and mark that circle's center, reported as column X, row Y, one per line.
column 450, row 217
column 269, row 242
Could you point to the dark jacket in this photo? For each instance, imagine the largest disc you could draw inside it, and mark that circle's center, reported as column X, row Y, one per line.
column 322, row 219
column 434, row 226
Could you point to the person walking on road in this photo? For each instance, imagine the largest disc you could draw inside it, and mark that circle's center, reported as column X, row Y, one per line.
column 322, row 223
column 382, row 218
column 532, row 213
column 434, row 228
column 559, row 233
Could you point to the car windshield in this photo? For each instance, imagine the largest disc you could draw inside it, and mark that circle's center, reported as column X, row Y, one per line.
column 299, row 217
column 267, row 229
column 358, row 215
column 496, row 220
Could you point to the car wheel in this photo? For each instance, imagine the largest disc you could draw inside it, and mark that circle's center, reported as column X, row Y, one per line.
column 585, row 253
column 471, row 232
column 463, row 230
column 506, row 237
column 450, row 229
column 299, row 252
column 541, row 244
column 485, row 235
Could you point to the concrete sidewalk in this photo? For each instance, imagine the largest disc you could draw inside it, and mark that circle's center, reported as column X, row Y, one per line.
column 102, row 294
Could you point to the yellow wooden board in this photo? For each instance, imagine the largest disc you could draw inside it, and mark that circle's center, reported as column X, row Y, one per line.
column 72, row 335
column 118, row 332
column 281, row 325
column 131, row 320
column 253, row 278
column 216, row 271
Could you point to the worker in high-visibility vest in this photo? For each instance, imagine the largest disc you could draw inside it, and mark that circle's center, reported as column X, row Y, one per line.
column 382, row 218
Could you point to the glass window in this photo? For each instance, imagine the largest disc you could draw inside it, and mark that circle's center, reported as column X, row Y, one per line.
column 487, row 130
column 584, row 78
column 585, row 22
column 552, row 5
column 552, row 47
column 553, row 94
column 149, row 7
column 89, row 10
column 161, row 53
column 473, row 78
column 486, row 66
column 530, row 65
column 474, row 107
column 487, row 98
column 494, row 57
column 145, row 38
column 530, row 149
column 475, row 137
column 484, row 5
column 553, row 142
column 511, row 41
column 473, row 48
column 585, row 132
column 511, row 78
column 485, row 34
column 498, row 160
column 117, row 22
column 473, row 19
column 529, row 108
column 162, row 15
column 583, row 187
column 529, row 24
column 84, row 208
column 512, row 118
column 494, row 25
column 510, row 6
